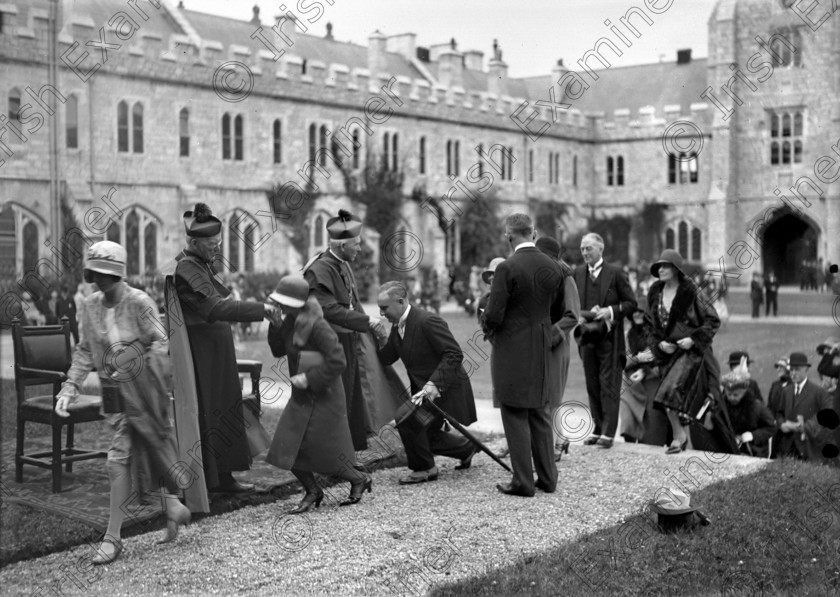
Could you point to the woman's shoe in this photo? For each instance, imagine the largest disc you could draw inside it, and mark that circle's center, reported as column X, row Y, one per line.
column 356, row 491
column 309, row 500
column 559, row 450
column 176, row 518
column 675, row 448
column 103, row 557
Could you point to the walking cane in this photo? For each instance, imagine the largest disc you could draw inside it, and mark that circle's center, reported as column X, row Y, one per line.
column 461, row 429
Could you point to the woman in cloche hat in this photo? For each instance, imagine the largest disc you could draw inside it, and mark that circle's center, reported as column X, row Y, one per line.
column 680, row 329
column 135, row 398
column 313, row 435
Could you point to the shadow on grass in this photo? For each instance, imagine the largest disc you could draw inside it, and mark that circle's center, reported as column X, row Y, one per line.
column 776, row 531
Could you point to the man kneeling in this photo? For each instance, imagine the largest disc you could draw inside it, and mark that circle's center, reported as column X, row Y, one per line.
column 433, row 360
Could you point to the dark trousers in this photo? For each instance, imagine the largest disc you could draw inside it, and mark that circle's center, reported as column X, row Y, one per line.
column 529, row 433
column 603, row 385
column 772, row 298
column 423, row 444
column 756, row 308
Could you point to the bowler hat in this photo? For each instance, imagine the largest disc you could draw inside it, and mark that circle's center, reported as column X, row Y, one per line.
column 735, row 357
column 344, row 226
column 105, row 257
column 291, row 291
column 670, row 257
column 491, row 269
column 798, row 359
column 201, row 223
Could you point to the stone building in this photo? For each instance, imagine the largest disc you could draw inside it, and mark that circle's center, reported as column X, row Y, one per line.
column 155, row 107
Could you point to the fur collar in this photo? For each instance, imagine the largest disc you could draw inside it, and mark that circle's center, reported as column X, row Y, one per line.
column 305, row 321
column 686, row 293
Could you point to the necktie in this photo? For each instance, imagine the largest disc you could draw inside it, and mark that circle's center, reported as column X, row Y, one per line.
column 593, row 276
column 796, row 390
column 401, row 329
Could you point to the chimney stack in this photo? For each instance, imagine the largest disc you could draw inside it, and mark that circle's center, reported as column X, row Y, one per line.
column 403, row 44
column 376, row 54
column 474, row 60
column 451, row 68
column 256, row 18
column 497, row 72
column 684, row 56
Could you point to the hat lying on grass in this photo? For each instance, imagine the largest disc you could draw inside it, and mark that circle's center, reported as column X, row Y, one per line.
column 675, row 512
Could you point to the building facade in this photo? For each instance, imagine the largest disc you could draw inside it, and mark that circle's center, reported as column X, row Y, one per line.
column 155, row 107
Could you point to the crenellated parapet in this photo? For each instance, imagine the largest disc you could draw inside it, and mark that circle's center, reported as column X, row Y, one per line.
column 646, row 121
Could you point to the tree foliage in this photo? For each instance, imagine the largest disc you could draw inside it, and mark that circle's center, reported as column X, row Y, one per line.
column 481, row 231
column 547, row 216
column 293, row 209
column 649, row 223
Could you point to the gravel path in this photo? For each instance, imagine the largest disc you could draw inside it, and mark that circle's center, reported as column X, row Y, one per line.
column 400, row 540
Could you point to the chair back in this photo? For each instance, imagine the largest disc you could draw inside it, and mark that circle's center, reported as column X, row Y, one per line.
column 44, row 348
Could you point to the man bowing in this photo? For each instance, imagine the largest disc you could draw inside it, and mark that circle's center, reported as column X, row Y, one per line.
column 433, row 359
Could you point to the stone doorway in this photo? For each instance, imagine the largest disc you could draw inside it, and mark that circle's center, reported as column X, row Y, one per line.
column 788, row 242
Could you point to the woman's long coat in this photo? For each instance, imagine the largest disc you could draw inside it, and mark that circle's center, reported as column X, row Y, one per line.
column 313, row 433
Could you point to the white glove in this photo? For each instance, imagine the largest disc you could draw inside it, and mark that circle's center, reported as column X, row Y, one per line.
column 430, row 389
column 66, row 397
column 746, row 437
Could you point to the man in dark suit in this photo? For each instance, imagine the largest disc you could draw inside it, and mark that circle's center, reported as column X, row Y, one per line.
column 332, row 282
column 800, row 433
column 433, row 360
column 605, row 296
column 518, row 313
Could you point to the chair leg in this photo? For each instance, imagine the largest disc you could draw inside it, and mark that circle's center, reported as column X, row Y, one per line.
column 70, row 429
column 21, row 429
column 56, row 459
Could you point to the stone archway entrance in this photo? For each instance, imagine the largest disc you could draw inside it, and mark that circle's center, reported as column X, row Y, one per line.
column 787, row 242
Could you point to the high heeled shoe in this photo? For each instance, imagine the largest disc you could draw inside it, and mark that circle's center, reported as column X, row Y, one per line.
column 356, row 491
column 676, row 449
column 309, row 500
column 559, row 450
column 175, row 519
column 101, row 557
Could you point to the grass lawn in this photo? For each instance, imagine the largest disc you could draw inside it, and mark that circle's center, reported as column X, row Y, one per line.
column 774, row 532
column 28, row 533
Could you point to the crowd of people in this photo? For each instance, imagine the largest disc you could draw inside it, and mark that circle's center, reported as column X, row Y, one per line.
column 661, row 384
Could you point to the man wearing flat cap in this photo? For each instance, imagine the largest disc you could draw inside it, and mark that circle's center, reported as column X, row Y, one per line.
column 332, row 283
column 206, row 308
column 800, row 433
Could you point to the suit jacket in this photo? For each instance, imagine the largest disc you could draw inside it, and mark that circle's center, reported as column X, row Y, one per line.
column 811, row 400
column 430, row 352
column 615, row 292
column 519, row 314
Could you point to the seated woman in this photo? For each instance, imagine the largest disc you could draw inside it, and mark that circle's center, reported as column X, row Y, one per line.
column 638, row 420
column 135, row 396
column 680, row 326
column 752, row 422
column 313, row 434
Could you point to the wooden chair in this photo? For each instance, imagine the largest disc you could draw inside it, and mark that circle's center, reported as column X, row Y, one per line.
column 42, row 358
column 254, row 368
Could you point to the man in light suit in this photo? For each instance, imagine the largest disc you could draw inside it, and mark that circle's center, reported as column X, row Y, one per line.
column 800, row 434
column 605, row 296
column 524, row 288
column 433, row 359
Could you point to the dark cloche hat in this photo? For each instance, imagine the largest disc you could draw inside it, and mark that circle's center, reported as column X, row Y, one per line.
column 291, row 291
column 669, row 256
column 201, row 223
column 549, row 246
column 344, row 226
column 735, row 357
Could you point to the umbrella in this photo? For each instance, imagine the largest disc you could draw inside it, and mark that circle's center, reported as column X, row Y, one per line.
column 461, row 429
